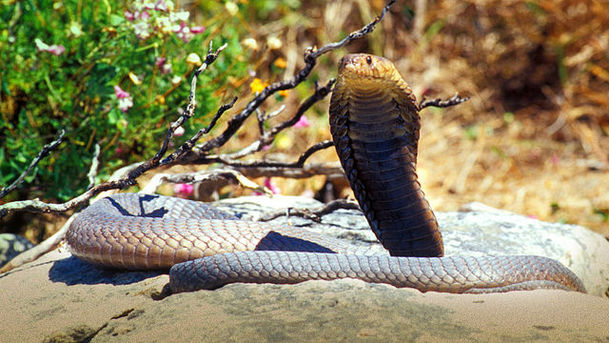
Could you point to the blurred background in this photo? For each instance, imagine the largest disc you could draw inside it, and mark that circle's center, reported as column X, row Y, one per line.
column 532, row 139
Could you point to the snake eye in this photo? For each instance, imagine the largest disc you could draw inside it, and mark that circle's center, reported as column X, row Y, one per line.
column 368, row 59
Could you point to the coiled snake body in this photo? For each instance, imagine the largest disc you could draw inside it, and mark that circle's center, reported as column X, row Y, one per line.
column 375, row 126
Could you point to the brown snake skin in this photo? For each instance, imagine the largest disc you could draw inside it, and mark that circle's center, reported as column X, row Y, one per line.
column 375, row 125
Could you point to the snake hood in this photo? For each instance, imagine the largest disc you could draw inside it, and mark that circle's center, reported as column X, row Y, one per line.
column 374, row 121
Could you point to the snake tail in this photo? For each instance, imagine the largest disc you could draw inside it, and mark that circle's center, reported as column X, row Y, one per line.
column 457, row 274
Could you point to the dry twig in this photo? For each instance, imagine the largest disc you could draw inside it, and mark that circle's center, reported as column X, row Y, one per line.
column 42, row 154
column 438, row 102
column 312, row 214
column 215, row 176
column 94, row 165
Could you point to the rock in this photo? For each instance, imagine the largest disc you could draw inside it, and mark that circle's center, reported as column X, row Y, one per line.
column 60, row 298
column 481, row 231
column 585, row 252
column 12, row 245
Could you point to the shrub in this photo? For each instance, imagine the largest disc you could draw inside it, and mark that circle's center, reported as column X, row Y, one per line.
column 105, row 72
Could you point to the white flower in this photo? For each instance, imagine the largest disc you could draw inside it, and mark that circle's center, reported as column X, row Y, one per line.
column 250, row 43
column 231, row 7
column 273, row 42
column 141, row 30
column 182, row 15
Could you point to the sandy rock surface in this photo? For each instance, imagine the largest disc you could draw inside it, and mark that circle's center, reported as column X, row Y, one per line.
column 60, row 299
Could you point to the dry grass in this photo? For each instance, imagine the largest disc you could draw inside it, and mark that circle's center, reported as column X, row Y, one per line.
column 538, row 121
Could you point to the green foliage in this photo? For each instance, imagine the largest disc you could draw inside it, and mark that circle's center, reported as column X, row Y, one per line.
column 108, row 44
column 602, row 213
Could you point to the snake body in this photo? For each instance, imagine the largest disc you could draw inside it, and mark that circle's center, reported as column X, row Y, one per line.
column 375, row 126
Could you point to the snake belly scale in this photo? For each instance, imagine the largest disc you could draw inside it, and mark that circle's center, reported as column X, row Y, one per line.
column 375, row 124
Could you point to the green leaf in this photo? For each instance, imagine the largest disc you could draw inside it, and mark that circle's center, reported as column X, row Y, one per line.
column 116, row 20
column 434, row 28
column 99, row 82
column 114, row 116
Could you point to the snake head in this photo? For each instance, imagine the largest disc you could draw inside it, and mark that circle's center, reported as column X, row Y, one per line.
column 367, row 66
column 366, row 74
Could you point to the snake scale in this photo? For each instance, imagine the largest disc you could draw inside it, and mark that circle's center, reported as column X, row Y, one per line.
column 374, row 122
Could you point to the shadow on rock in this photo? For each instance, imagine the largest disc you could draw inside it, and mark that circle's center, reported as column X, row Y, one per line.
column 73, row 271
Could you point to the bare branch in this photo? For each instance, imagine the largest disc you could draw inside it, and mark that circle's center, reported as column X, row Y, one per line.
column 310, row 151
column 314, row 215
column 331, row 170
column 320, row 93
column 190, row 110
column 354, row 35
column 438, row 102
column 209, row 59
column 226, row 159
column 187, row 146
column 212, row 176
column 268, row 137
column 264, row 117
column 310, row 59
column 94, row 165
column 42, row 154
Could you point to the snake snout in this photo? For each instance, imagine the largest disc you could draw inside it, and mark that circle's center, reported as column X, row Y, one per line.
column 364, row 65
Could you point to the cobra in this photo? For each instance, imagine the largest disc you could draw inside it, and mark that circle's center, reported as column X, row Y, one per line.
column 374, row 120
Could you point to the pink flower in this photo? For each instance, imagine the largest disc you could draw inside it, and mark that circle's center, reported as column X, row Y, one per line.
column 197, row 29
column 554, row 159
column 183, row 32
column 164, row 67
column 120, row 93
column 183, row 190
column 131, row 16
column 56, row 49
column 160, row 61
column 125, row 102
column 161, row 5
column 271, row 185
column 302, row 122
column 53, row 49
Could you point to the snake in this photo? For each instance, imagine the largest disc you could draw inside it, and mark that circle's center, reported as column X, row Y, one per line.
column 375, row 123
